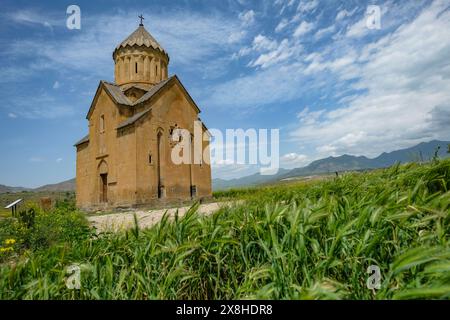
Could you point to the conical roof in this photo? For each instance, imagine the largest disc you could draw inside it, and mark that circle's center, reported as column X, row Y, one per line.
column 141, row 37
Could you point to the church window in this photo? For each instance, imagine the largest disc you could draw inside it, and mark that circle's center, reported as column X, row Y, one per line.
column 150, row 158
column 102, row 123
column 136, row 67
column 156, row 70
column 193, row 191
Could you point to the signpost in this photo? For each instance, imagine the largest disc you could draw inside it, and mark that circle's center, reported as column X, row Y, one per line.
column 13, row 207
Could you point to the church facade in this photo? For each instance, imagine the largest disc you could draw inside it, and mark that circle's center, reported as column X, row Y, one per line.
column 126, row 159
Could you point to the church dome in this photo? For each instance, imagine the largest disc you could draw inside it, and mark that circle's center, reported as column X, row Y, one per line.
column 141, row 37
column 140, row 59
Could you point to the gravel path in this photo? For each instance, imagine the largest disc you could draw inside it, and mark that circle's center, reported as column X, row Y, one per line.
column 146, row 218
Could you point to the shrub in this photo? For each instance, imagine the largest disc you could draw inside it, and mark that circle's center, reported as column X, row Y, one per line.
column 35, row 229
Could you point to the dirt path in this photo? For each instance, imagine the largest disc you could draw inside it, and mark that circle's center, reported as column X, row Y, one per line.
column 146, row 218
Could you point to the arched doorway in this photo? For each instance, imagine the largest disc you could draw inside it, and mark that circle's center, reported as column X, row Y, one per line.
column 103, row 182
column 160, row 159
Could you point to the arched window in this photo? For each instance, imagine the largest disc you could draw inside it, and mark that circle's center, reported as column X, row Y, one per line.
column 102, row 123
column 160, row 160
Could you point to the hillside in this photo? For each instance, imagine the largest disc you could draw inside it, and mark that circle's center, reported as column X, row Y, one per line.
column 68, row 185
column 252, row 180
column 422, row 152
column 6, row 189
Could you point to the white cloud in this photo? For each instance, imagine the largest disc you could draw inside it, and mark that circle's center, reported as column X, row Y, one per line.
column 344, row 14
column 56, row 85
column 244, row 94
column 262, row 43
column 33, row 17
column 42, row 106
column 59, row 160
column 237, row 36
column 12, row 115
column 307, row 5
column 324, row 31
column 405, row 79
column 303, row 28
column 281, row 25
column 189, row 39
column 358, row 29
column 247, row 17
column 293, row 160
column 268, row 51
column 310, row 117
column 278, row 54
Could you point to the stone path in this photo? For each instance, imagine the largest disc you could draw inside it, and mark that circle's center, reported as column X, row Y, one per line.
column 146, row 218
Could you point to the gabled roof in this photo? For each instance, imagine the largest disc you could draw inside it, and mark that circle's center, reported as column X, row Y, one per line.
column 153, row 90
column 113, row 91
column 118, row 96
column 133, row 119
column 150, row 94
column 135, row 86
column 141, row 37
column 85, row 139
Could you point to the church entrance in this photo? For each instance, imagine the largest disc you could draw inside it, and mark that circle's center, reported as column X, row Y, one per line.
column 160, row 159
column 104, row 188
column 103, row 182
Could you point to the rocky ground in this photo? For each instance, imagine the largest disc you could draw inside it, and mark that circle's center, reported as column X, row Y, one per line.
column 146, row 218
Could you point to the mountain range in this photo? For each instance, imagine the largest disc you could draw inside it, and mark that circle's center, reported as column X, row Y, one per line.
column 68, row 185
column 422, row 152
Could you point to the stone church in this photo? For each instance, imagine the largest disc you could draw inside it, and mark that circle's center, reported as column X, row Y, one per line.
column 125, row 160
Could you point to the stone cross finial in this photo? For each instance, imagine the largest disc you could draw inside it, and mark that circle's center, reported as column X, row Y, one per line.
column 142, row 18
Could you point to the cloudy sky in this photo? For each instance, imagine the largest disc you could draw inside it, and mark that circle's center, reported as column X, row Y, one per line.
column 312, row 69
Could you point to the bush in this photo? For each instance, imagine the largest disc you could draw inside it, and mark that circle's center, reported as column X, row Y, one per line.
column 35, row 229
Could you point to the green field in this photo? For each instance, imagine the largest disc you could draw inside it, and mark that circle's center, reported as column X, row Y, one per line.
column 31, row 196
column 308, row 240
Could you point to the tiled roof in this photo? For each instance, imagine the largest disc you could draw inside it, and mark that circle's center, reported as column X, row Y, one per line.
column 153, row 91
column 120, row 98
column 141, row 37
column 133, row 119
column 85, row 139
column 117, row 93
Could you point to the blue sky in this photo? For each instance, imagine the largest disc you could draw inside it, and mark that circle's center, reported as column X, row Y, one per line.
column 309, row 68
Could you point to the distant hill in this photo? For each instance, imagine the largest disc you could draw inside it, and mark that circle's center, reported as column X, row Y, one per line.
column 254, row 179
column 68, row 185
column 6, row 189
column 422, row 152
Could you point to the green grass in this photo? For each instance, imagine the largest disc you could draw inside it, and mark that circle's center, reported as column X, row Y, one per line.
column 292, row 241
column 31, row 197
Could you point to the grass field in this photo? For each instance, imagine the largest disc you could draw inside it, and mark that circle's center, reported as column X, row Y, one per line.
column 31, row 196
column 308, row 240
